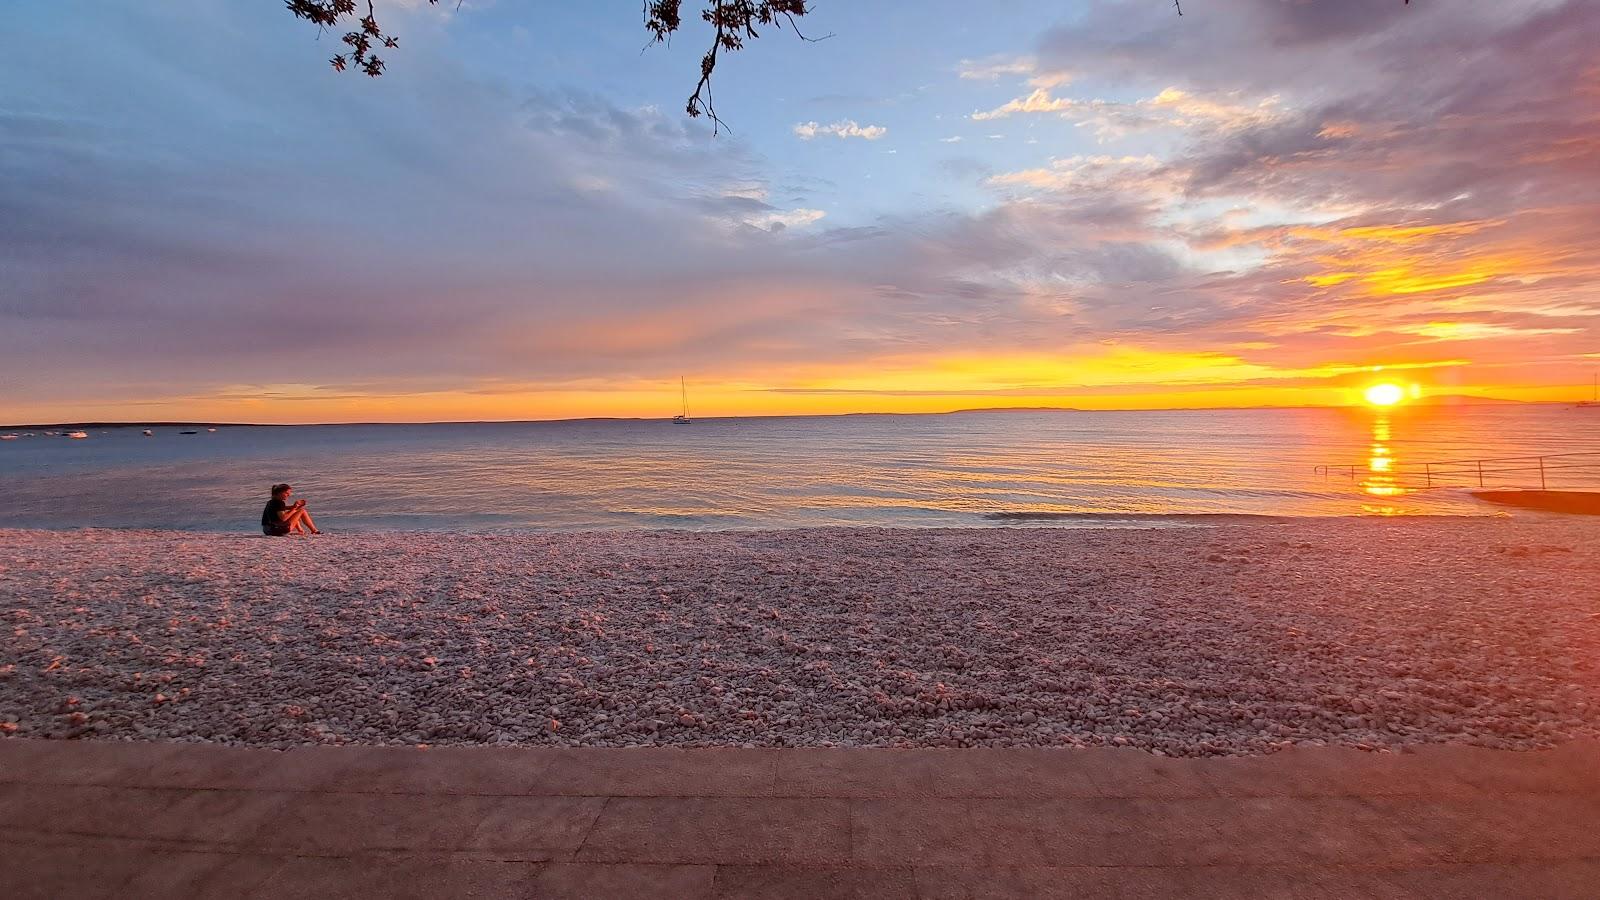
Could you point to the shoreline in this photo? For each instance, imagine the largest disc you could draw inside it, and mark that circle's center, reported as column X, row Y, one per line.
column 982, row 522
column 1377, row 633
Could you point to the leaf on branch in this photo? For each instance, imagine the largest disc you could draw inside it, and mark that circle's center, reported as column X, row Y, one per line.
column 734, row 22
column 362, row 35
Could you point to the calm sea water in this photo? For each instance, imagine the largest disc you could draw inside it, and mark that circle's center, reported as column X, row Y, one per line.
column 1068, row 468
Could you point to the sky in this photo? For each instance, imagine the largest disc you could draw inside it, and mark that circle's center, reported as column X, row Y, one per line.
column 927, row 207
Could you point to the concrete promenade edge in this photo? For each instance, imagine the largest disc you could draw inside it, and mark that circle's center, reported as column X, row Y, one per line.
column 136, row 820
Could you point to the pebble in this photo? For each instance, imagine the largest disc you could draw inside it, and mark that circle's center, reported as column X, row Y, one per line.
column 847, row 637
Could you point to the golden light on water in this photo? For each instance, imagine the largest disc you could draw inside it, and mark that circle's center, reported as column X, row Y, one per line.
column 1381, row 480
column 1385, row 394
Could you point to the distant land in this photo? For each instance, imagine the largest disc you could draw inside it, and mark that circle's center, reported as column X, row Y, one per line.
column 85, row 426
column 1436, row 400
column 57, row 426
column 1463, row 400
column 1011, row 409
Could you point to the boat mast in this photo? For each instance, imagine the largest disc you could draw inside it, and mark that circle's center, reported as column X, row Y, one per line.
column 684, row 387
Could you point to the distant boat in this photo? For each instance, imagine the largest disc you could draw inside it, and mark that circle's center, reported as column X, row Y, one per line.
column 188, row 432
column 77, row 434
column 1593, row 403
column 149, row 433
column 683, row 417
column 211, row 429
column 7, row 437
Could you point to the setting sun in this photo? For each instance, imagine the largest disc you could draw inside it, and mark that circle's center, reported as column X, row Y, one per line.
column 1385, row 394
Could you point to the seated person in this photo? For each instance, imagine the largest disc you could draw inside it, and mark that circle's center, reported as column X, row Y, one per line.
column 282, row 517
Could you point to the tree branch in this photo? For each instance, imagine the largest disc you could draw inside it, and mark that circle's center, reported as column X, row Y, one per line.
column 733, row 22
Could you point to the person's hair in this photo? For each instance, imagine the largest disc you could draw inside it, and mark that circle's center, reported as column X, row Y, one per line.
column 279, row 488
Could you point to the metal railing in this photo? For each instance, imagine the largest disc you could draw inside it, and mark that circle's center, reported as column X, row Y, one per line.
column 1548, row 467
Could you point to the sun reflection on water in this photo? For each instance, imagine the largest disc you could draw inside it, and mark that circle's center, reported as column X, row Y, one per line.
column 1380, row 480
column 901, row 471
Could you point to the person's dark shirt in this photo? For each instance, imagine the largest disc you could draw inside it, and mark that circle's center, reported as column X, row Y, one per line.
column 270, row 520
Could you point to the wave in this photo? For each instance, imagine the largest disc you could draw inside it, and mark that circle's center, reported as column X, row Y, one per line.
column 1169, row 518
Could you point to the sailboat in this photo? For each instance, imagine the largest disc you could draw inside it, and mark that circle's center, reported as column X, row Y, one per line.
column 1593, row 403
column 683, row 417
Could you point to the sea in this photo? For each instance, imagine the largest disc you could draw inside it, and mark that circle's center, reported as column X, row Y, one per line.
column 1177, row 468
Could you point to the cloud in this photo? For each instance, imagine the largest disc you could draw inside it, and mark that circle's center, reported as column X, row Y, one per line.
column 1171, row 108
column 1308, row 190
column 1264, row 46
column 443, row 226
column 1039, row 101
column 1373, row 214
column 777, row 221
column 846, row 128
column 1127, row 172
column 1027, row 67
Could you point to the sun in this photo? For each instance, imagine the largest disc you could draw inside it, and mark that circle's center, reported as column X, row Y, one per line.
column 1385, row 394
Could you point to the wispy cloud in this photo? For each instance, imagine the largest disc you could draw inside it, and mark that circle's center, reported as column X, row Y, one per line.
column 1130, row 173
column 845, row 128
column 776, row 221
column 1025, row 67
column 1171, row 108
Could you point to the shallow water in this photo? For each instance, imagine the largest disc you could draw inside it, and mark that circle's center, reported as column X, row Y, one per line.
column 1092, row 469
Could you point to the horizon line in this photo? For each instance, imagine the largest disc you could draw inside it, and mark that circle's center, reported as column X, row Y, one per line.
column 948, row 412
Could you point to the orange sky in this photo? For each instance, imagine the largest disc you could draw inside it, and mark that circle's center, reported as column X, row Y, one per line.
column 1098, row 205
column 972, row 383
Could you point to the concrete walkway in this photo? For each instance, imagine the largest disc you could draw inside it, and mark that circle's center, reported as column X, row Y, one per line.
column 131, row 820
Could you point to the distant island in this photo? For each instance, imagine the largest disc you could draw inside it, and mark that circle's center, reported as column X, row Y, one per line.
column 1012, row 409
column 1436, row 400
column 1463, row 400
column 58, row 426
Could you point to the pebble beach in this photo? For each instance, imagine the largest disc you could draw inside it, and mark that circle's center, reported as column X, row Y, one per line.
column 1183, row 641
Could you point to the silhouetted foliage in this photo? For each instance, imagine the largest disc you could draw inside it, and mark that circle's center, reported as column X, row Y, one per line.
column 734, row 21
column 365, row 35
